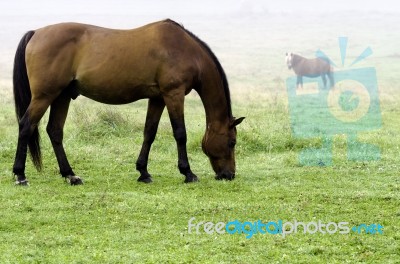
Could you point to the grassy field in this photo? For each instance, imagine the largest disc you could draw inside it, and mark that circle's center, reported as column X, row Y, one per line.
column 114, row 219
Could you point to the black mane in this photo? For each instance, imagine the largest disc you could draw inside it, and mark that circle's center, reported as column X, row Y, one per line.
column 217, row 64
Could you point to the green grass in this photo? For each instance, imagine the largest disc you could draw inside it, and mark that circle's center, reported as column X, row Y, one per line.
column 114, row 219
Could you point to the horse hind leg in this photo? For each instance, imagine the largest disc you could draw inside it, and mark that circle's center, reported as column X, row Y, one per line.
column 154, row 111
column 331, row 79
column 55, row 126
column 29, row 135
column 323, row 76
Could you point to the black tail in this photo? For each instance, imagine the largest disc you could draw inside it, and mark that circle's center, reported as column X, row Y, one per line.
column 22, row 97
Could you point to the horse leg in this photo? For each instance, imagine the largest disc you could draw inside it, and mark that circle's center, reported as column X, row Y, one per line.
column 27, row 125
column 324, row 79
column 331, row 79
column 154, row 111
column 174, row 101
column 299, row 81
column 55, row 126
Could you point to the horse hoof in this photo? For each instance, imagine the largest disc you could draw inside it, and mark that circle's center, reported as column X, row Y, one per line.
column 75, row 180
column 22, row 183
column 191, row 178
column 218, row 178
column 231, row 177
column 145, row 179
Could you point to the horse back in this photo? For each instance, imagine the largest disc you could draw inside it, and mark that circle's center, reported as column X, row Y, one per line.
column 311, row 67
column 133, row 63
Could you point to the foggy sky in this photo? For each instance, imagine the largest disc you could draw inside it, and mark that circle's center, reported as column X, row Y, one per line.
column 176, row 7
column 18, row 16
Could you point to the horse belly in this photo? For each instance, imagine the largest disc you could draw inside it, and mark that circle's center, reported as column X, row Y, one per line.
column 116, row 80
column 117, row 92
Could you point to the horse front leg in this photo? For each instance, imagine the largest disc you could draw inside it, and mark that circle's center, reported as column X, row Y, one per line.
column 174, row 101
column 154, row 111
column 299, row 81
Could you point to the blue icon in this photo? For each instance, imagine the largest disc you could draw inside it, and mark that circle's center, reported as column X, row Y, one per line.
column 350, row 107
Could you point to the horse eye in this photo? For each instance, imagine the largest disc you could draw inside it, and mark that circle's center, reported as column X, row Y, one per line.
column 232, row 143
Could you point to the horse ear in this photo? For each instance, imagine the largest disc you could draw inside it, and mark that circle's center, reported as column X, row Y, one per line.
column 236, row 121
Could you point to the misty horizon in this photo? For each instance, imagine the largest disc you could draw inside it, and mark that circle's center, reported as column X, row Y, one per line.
column 180, row 7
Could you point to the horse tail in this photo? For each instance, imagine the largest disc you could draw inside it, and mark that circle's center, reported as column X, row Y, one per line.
column 22, row 96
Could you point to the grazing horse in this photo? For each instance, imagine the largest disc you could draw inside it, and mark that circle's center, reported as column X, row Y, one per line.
column 310, row 68
column 161, row 61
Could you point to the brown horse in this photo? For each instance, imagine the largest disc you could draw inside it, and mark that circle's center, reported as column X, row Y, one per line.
column 310, row 68
column 161, row 61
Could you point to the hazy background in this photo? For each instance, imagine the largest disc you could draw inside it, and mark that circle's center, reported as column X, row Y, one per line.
column 249, row 37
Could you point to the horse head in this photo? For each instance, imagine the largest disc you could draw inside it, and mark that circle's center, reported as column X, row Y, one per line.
column 219, row 145
column 289, row 59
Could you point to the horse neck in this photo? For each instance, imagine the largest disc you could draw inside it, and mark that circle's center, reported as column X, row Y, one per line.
column 296, row 59
column 296, row 62
column 216, row 106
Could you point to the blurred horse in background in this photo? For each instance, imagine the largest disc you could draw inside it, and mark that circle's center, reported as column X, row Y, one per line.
column 311, row 68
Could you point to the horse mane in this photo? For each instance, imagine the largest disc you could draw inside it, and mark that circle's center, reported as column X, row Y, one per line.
column 216, row 61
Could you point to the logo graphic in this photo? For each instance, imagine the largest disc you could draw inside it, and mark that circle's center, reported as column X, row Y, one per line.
column 280, row 227
column 350, row 107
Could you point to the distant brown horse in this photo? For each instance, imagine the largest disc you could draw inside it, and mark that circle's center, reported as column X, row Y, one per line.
column 161, row 61
column 310, row 68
